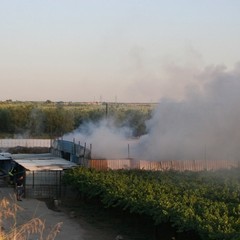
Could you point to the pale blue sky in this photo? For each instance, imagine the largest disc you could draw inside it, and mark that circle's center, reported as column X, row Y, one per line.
column 128, row 50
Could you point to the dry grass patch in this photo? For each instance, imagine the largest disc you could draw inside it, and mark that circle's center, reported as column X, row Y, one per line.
column 11, row 230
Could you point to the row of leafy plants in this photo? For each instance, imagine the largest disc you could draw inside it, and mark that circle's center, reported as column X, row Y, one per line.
column 48, row 119
column 204, row 202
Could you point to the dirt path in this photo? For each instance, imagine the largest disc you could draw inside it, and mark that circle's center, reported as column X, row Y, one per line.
column 102, row 224
column 73, row 228
column 83, row 220
column 32, row 208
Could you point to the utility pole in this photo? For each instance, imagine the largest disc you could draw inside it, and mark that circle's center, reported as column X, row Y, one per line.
column 106, row 110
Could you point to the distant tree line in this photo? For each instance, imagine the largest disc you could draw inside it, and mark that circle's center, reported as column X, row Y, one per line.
column 50, row 120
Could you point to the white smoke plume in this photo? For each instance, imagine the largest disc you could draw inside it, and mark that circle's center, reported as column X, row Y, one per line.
column 106, row 140
column 204, row 125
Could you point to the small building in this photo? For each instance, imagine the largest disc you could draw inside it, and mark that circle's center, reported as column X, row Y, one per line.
column 5, row 164
column 42, row 173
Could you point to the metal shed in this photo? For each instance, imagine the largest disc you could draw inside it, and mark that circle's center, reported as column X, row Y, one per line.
column 42, row 173
column 5, row 164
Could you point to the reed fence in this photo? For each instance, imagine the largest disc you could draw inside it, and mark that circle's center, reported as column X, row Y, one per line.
column 177, row 165
column 29, row 143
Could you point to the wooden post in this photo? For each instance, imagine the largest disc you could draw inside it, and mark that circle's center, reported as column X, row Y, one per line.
column 90, row 150
column 106, row 110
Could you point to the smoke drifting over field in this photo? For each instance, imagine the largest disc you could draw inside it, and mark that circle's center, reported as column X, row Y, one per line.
column 205, row 125
column 107, row 141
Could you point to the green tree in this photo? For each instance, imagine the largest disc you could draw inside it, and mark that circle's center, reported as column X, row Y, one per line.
column 5, row 121
column 20, row 116
column 36, row 123
column 58, row 121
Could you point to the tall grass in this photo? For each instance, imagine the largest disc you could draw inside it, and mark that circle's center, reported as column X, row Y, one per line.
column 11, row 230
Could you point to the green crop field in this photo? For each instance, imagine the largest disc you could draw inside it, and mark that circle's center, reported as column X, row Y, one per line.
column 207, row 203
column 53, row 119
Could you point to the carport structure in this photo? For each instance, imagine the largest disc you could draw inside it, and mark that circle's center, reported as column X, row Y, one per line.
column 42, row 173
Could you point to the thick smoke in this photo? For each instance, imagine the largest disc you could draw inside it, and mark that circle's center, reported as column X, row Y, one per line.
column 106, row 140
column 205, row 125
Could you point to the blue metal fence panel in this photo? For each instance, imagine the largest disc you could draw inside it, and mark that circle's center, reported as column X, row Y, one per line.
column 66, row 146
column 75, row 152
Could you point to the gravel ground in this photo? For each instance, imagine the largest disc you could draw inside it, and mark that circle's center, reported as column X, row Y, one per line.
column 72, row 228
column 32, row 208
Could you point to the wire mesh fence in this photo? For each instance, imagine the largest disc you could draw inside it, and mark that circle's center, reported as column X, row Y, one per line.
column 29, row 143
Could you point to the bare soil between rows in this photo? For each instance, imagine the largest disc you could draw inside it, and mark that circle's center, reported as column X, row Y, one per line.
column 107, row 223
column 89, row 220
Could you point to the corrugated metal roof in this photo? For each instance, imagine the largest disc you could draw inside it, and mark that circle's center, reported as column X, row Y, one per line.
column 41, row 162
column 5, row 156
